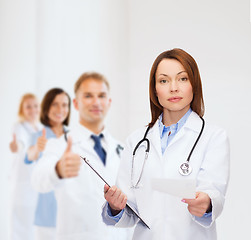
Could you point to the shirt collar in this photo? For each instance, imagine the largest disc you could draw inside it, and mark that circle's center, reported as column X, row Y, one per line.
column 84, row 133
column 49, row 131
column 30, row 128
column 174, row 127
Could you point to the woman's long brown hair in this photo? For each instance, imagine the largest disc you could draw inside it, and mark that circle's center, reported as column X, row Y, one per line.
column 188, row 62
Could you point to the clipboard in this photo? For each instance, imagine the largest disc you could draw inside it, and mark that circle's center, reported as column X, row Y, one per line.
column 127, row 205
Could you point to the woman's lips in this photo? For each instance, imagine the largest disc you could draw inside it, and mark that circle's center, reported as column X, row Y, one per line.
column 174, row 99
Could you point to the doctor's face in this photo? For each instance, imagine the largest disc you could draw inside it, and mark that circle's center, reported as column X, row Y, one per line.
column 173, row 88
column 92, row 101
column 31, row 110
column 59, row 109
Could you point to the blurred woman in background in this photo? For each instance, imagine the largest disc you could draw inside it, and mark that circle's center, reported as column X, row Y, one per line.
column 55, row 116
column 23, row 197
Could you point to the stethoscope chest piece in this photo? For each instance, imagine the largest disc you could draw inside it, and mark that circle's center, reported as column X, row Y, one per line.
column 185, row 169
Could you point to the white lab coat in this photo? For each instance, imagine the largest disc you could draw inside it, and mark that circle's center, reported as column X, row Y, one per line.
column 23, row 198
column 166, row 215
column 79, row 199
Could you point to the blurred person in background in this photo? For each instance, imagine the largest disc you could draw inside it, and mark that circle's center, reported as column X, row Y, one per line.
column 55, row 116
column 22, row 197
column 77, row 188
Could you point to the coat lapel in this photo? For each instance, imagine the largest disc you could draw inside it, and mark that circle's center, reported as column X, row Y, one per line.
column 154, row 138
column 193, row 123
column 80, row 137
column 111, row 148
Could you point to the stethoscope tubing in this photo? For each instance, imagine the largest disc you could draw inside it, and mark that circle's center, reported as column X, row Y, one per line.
column 145, row 139
column 197, row 140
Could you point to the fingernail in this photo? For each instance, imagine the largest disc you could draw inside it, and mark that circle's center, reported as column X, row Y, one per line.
column 183, row 200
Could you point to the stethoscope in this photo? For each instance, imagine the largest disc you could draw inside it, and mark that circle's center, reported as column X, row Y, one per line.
column 184, row 169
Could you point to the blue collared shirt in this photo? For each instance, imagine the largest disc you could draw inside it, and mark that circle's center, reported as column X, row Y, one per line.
column 46, row 210
column 168, row 133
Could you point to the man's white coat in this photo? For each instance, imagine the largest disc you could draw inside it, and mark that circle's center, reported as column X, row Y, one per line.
column 79, row 199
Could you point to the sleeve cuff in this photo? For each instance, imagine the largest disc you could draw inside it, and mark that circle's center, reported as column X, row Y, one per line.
column 55, row 179
column 26, row 160
column 117, row 217
column 206, row 215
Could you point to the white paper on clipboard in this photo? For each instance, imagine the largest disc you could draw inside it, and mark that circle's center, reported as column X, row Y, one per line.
column 184, row 188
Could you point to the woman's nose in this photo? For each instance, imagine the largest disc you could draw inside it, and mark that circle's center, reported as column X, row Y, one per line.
column 174, row 86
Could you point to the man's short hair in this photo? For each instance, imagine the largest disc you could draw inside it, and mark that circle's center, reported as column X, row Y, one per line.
column 90, row 75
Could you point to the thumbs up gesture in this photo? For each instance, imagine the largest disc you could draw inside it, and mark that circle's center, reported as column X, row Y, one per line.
column 41, row 141
column 33, row 151
column 69, row 164
column 14, row 144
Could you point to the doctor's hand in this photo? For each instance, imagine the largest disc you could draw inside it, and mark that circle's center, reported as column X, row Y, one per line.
column 14, row 144
column 41, row 142
column 116, row 199
column 200, row 205
column 34, row 151
column 69, row 164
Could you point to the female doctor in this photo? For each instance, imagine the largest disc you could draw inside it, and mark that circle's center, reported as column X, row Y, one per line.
column 177, row 145
column 23, row 197
column 55, row 116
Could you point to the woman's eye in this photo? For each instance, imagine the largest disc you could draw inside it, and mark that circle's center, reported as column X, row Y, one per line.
column 184, row 79
column 163, row 81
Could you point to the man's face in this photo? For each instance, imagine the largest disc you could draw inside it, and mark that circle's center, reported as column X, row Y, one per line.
column 92, row 101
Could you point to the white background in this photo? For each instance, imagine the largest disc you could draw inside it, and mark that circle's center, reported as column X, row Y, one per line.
column 49, row 43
